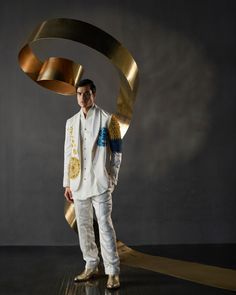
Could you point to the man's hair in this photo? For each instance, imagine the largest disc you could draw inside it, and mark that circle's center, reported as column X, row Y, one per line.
column 88, row 82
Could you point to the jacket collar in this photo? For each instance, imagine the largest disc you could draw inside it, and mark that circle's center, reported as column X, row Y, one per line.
column 96, row 124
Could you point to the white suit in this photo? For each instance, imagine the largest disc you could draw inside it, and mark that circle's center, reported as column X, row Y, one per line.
column 91, row 165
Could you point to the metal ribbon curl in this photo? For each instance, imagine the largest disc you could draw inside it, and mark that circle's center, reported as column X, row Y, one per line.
column 62, row 76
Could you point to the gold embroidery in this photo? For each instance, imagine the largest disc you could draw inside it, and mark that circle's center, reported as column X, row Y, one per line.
column 74, row 149
column 74, row 167
column 114, row 128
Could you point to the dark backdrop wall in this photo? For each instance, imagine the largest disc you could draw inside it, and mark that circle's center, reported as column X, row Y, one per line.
column 177, row 180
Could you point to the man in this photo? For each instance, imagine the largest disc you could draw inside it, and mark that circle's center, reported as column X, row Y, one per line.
column 92, row 158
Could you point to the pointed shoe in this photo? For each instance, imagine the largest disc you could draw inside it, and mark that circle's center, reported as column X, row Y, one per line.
column 86, row 275
column 113, row 282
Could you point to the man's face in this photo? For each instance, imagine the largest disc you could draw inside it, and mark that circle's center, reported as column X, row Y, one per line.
column 85, row 96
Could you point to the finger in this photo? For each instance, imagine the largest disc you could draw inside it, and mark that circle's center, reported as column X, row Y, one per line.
column 71, row 200
column 67, row 196
column 68, row 199
column 70, row 194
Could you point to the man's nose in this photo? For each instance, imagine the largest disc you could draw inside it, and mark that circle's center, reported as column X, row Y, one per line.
column 84, row 97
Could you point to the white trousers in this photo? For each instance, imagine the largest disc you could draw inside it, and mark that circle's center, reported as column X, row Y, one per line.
column 84, row 216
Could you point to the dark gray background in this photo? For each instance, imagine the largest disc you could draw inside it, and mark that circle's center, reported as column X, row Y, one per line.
column 177, row 180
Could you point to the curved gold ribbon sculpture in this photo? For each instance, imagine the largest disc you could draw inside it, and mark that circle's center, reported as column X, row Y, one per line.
column 62, row 76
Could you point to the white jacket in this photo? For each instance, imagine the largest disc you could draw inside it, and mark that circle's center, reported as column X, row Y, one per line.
column 106, row 149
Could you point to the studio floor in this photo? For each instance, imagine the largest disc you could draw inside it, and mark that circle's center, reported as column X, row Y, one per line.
column 50, row 270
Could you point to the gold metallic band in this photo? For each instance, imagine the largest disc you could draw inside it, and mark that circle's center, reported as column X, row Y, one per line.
column 62, row 75
column 209, row 275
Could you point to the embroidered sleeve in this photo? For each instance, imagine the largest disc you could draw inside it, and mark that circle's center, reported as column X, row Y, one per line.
column 114, row 135
column 115, row 143
column 102, row 137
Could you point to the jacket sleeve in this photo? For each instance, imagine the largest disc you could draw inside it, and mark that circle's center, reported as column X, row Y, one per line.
column 115, row 143
column 67, row 156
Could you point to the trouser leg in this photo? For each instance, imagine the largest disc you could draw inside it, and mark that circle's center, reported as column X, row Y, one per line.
column 84, row 218
column 103, row 208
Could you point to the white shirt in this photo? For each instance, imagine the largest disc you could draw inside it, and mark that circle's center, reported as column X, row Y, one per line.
column 88, row 186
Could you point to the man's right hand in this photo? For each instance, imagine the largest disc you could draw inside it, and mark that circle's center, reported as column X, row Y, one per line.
column 68, row 194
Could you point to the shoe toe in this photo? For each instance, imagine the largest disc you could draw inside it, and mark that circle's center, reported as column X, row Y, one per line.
column 113, row 282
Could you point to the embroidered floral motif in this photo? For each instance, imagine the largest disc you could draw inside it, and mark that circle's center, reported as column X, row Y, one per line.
column 74, row 151
column 102, row 137
column 74, row 167
column 115, row 135
column 74, row 148
column 74, row 164
column 114, row 128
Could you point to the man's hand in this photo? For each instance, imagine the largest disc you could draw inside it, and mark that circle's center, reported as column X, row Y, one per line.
column 68, row 195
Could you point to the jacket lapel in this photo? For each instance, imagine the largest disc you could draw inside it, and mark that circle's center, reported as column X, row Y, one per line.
column 76, row 132
column 96, row 123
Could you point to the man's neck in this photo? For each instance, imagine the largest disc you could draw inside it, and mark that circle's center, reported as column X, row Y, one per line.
column 86, row 110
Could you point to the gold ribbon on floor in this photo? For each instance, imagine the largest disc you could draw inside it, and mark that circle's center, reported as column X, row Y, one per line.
column 62, row 75
column 208, row 275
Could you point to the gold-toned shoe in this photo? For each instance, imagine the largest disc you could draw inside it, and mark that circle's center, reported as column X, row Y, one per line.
column 86, row 275
column 113, row 282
